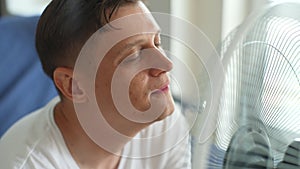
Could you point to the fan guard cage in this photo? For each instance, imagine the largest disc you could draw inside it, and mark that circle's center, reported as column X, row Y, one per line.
column 260, row 103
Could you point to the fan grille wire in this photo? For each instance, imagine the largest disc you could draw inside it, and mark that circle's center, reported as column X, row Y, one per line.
column 262, row 85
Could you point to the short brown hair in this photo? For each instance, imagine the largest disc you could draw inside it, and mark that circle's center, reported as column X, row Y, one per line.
column 66, row 25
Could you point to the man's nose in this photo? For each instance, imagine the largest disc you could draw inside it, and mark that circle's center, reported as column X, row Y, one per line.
column 161, row 63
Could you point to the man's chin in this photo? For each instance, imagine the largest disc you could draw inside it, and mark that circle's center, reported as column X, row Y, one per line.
column 170, row 107
column 169, row 111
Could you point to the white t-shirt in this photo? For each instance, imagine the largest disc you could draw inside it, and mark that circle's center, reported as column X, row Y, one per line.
column 35, row 142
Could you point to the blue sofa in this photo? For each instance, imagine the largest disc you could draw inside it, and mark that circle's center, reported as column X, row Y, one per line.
column 24, row 87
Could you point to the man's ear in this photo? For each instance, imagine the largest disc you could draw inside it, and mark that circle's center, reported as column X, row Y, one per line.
column 63, row 79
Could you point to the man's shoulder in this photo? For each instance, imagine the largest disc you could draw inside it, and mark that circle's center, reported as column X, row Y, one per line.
column 34, row 123
column 27, row 137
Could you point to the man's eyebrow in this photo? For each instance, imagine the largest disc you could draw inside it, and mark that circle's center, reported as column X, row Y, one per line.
column 132, row 44
column 129, row 46
column 126, row 48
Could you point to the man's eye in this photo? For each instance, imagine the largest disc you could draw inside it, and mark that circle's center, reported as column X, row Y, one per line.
column 158, row 44
column 160, row 47
column 133, row 57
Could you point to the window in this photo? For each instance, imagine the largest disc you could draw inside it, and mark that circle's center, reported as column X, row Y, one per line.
column 26, row 7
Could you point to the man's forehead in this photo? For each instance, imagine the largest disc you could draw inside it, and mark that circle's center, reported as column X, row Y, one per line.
column 129, row 21
column 134, row 16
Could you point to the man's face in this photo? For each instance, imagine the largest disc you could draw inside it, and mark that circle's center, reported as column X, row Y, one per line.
column 140, row 60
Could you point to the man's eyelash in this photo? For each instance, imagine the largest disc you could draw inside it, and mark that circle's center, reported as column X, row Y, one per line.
column 158, row 44
column 135, row 56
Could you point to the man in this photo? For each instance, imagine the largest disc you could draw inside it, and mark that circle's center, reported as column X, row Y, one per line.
column 130, row 93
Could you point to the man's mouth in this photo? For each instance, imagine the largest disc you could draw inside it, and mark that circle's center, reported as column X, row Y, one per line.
column 164, row 88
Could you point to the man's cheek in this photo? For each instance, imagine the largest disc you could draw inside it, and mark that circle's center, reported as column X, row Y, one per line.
column 139, row 100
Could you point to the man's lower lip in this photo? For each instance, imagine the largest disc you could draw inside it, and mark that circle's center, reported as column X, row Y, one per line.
column 165, row 89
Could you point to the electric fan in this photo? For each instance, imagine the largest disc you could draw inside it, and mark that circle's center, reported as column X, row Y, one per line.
column 258, row 122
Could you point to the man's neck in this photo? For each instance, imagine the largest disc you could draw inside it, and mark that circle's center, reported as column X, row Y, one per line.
column 84, row 151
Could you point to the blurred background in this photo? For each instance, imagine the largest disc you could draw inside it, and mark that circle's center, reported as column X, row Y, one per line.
column 215, row 18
